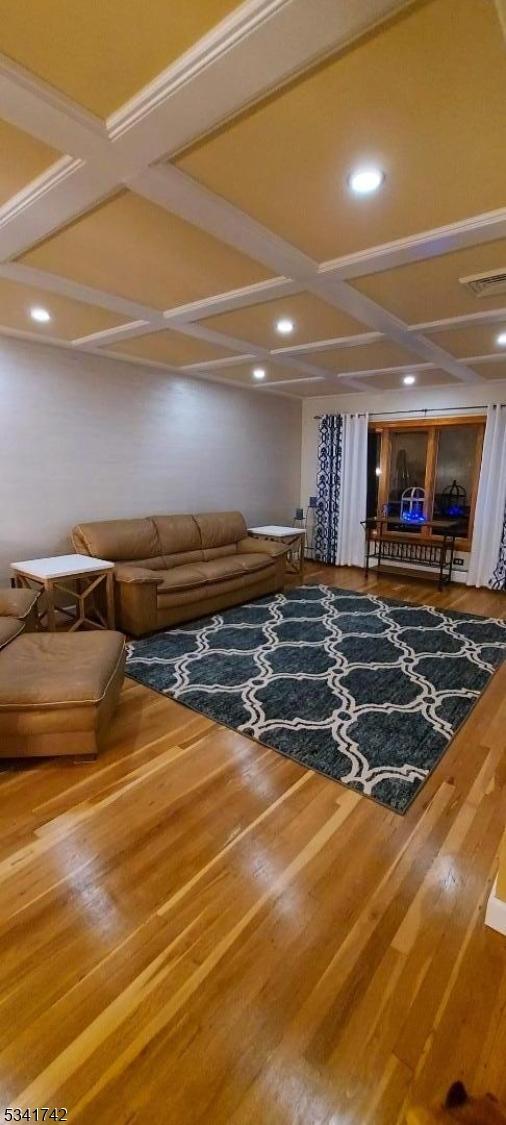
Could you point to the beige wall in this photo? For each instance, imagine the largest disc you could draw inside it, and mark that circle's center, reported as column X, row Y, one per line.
column 84, row 437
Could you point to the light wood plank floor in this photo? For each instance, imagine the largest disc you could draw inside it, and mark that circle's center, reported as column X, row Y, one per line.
column 196, row 929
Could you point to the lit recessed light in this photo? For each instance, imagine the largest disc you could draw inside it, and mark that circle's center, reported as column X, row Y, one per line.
column 41, row 315
column 259, row 372
column 501, row 339
column 363, row 181
column 378, row 471
column 408, row 380
column 285, row 326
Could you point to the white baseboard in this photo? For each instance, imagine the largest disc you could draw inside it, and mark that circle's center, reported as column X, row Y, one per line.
column 495, row 916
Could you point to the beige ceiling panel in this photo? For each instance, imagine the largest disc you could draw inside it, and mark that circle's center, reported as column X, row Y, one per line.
column 169, row 347
column 313, row 320
column 22, row 159
column 392, row 381
column 472, row 340
column 138, row 250
column 102, row 54
column 315, row 390
column 364, row 358
column 69, row 319
column 243, row 373
column 423, row 97
column 491, row 371
column 430, row 290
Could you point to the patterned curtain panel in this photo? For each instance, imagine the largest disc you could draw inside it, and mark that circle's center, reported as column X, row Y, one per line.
column 328, row 485
column 498, row 580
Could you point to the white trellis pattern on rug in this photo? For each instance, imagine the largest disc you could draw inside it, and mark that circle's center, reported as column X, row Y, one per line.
column 365, row 690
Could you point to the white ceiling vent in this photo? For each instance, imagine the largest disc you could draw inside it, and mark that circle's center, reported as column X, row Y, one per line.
column 486, row 284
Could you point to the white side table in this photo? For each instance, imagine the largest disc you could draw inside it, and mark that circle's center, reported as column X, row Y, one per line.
column 294, row 536
column 56, row 573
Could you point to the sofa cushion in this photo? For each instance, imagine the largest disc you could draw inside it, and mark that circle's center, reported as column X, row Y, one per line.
column 181, row 578
column 216, row 570
column 49, row 670
column 179, row 538
column 10, row 627
column 218, row 529
column 120, row 541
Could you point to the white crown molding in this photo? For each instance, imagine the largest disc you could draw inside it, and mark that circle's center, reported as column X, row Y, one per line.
column 124, row 331
column 494, row 357
column 467, row 320
column 487, row 227
column 222, row 38
column 290, row 382
column 396, row 369
column 356, row 341
column 256, row 49
column 79, row 187
column 211, row 364
column 234, row 299
column 33, row 105
column 35, row 191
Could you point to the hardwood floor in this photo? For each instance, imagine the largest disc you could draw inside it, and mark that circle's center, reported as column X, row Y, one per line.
column 196, row 929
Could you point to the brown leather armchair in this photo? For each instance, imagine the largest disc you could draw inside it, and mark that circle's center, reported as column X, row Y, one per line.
column 171, row 569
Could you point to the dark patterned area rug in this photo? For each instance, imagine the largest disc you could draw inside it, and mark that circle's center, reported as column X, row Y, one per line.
column 365, row 690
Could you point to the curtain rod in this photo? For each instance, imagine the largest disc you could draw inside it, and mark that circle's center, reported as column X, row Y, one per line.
column 424, row 411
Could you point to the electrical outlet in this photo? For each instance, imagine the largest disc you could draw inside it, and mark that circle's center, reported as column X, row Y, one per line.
column 458, row 562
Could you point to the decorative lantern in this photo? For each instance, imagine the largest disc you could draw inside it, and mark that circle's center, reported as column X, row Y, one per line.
column 413, row 505
column 453, row 500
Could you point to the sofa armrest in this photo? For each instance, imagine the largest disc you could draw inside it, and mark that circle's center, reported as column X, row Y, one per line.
column 137, row 575
column 250, row 545
column 17, row 602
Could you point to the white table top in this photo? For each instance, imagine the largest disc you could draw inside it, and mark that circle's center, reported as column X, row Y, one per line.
column 276, row 531
column 60, row 566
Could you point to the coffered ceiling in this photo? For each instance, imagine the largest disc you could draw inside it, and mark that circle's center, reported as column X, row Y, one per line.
column 174, row 187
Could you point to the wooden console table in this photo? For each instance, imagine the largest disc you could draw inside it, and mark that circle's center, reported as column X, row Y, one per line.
column 432, row 547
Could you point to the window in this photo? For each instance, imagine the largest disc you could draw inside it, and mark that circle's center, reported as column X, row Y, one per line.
column 440, row 459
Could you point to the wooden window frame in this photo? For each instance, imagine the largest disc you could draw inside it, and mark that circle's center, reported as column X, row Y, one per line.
column 433, row 427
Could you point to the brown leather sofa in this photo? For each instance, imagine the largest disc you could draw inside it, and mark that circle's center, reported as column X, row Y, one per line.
column 171, row 569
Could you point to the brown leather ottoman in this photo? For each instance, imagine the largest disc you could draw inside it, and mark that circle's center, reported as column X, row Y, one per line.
column 58, row 692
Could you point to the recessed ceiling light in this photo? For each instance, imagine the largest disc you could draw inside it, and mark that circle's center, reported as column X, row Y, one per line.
column 41, row 315
column 501, row 339
column 363, row 181
column 259, row 372
column 408, row 380
column 285, row 326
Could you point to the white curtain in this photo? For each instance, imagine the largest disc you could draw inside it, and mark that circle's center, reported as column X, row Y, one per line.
column 353, row 497
column 491, row 501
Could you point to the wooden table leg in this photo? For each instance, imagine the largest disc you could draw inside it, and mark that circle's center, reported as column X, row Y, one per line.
column 51, row 618
column 109, row 587
column 302, row 551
